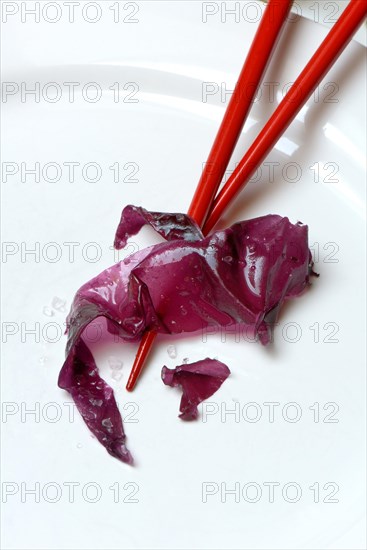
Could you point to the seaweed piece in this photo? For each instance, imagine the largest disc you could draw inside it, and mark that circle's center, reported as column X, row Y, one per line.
column 240, row 275
column 198, row 381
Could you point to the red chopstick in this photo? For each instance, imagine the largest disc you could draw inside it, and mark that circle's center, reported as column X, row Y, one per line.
column 326, row 55
column 315, row 70
column 229, row 131
column 239, row 106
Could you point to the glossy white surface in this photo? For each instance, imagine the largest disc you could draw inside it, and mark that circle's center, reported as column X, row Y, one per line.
column 168, row 54
column 326, row 13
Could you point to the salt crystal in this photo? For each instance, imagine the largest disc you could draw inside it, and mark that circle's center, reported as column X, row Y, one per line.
column 58, row 304
column 116, row 375
column 172, row 352
column 115, row 363
column 48, row 311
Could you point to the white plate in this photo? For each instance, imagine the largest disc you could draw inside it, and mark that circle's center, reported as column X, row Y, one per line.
column 168, row 54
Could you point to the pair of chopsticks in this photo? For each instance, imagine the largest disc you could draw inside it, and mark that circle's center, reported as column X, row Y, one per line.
column 205, row 207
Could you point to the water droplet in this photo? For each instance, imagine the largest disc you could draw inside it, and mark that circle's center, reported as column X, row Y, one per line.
column 132, row 323
column 183, row 310
column 228, row 259
column 172, row 352
column 106, row 422
column 58, row 304
column 48, row 311
column 115, row 363
column 96, row 402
